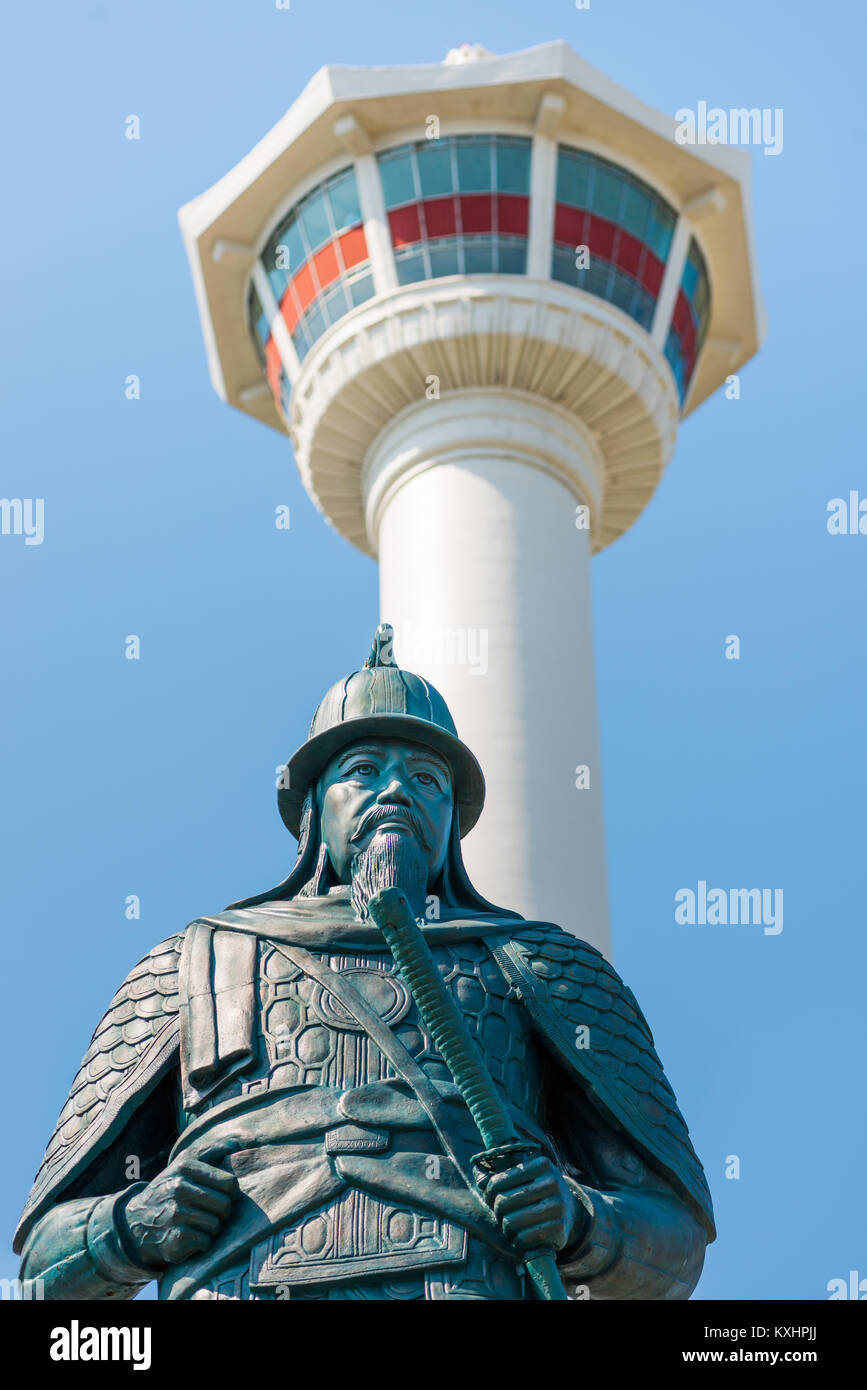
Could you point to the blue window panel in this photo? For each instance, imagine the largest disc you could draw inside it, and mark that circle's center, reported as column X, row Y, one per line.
column 512, row 159
column 701, row 294
column 478, row 255
column 643, row 308
column 278, row 282
column 314, row 322
column 605, row 282
column 690, row 280
column 410, row 268
column 295, row 248
column 701, row 301
column 435, row 169
column 637, row 212
column 301, row 341
column 512, row 257
column 573, row 180
column 563, row 266
column 360, row 289
column 444, row 257
column 259, row 321
column 596, row 279
column 607, row 193
column 343, row 196
column 696, row 258
column 474, row 165
column 659, row 235
column 622, row 291
column 289, row 236
column 313, row 214
column 398, row 184
column 334, row 303
column 695, row 284
column 675, row 361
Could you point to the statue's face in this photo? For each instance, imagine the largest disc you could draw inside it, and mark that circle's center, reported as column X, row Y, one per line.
column 385, row 785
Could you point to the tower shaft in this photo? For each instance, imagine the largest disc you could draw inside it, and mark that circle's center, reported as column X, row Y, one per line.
column 484, row 557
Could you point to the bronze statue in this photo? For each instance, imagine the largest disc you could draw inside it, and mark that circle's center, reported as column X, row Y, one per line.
column 369, row 1082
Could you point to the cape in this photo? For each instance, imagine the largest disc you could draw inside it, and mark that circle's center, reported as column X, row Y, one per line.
column 565, row 984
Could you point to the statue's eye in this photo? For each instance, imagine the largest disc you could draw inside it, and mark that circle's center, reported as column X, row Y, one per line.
column 427, row 779
column 363, row 770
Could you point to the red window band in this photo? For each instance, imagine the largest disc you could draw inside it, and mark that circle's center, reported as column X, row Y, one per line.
column 273, row 368
column 304, row 286
column 330, row 262
column 326, row 265
column 405, row 225
column 628, row 255
column 684, row 326
column 353, row 247
column 513, row 214
column 440, row 217
column 573, row 227
column 479, row 214
column 289, row 310
column 651, row 271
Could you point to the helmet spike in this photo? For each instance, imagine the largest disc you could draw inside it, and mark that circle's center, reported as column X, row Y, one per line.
column 381, row 651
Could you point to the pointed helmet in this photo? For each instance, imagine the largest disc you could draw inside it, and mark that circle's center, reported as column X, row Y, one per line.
column 381, row 701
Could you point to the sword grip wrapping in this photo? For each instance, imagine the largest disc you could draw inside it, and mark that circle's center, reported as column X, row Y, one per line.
column 391, row 913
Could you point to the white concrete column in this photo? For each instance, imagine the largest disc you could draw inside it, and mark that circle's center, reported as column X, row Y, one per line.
column 376, row 229
column 543, row 186
column 471, row 503
column 353, row 135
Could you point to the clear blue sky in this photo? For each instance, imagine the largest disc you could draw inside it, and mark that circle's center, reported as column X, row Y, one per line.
column 156, row 777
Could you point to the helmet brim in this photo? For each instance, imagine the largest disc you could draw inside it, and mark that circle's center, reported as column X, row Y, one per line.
column 312, row 757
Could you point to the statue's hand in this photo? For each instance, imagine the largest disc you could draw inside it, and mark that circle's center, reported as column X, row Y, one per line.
column 534, row 1205
column 179, row 1212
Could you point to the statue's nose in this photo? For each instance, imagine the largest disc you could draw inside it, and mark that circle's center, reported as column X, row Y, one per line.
column 394, row 793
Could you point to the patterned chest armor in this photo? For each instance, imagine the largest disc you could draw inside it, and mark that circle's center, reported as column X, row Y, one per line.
column 308, row 1040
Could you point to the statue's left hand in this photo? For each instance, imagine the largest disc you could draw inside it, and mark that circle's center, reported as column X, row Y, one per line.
column 534, row 1205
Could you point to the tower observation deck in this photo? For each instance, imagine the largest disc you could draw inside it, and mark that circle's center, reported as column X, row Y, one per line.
column 480, row 296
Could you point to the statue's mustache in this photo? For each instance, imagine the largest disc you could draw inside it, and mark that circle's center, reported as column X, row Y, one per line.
column 379, row 813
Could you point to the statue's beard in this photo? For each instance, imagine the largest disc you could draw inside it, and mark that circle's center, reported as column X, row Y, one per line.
column 391, row 860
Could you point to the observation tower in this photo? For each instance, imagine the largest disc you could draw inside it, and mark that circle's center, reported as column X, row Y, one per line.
column 479, row 296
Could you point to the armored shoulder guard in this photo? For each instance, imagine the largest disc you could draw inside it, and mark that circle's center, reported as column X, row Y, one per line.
column 129, row 1052
column 592, row 1023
